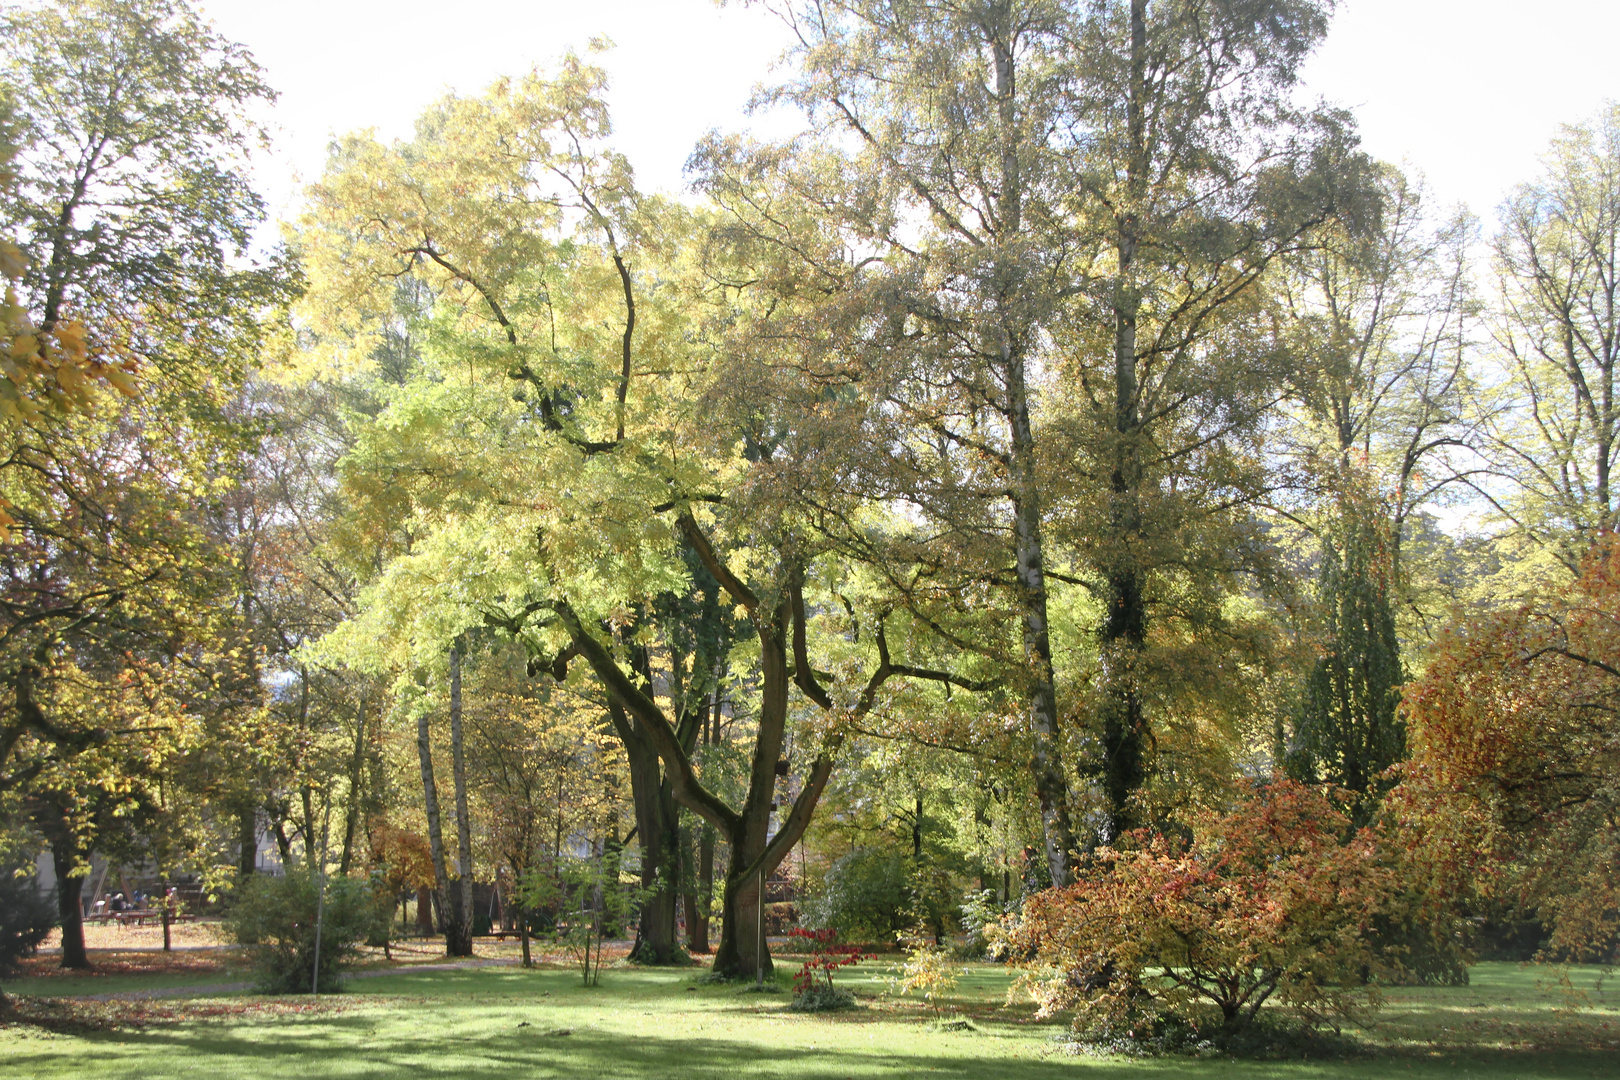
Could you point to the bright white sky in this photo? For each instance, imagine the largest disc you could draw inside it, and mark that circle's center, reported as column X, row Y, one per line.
column 1468, row 93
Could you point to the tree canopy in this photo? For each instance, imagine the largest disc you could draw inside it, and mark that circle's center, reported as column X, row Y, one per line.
column 1032, row 488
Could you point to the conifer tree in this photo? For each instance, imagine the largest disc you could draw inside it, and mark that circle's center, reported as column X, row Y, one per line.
column 1347, row 731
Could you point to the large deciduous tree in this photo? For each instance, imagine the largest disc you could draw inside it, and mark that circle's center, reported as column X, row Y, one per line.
column 1046, row 222
column 131, row 213
column 1514, row 783
column 1554, row 434
column 573, row 462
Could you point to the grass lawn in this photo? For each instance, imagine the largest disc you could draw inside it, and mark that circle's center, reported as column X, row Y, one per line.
column 505, row 1022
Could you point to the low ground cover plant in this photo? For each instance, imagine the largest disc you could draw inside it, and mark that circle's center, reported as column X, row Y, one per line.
column 1270, row 903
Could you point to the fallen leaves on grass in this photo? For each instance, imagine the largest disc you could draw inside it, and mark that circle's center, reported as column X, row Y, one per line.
column 135, row 962
column 78, row 1015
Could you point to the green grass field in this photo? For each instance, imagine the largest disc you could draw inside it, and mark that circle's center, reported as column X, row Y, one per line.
column 505, row 1022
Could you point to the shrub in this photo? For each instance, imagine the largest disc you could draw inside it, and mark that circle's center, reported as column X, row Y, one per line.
column 822, row 999
column 980, row 913
column 579, row 903
column 866, row 895
column 26, row 916
column 1510, row 799
column 275, row 918
column 928, row 970
column 1269, row 903
column 813, row 985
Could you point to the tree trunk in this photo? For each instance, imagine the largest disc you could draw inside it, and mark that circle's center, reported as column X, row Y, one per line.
column 698, row 921
column 461, row 904
column 657, row 826
column 69, row 887
column 283, row 844
column 1124, row 633
column 351, row 818
column 247, row 838
column 739, row 955
column 430, row 796
column 424, row 912
column 754, row 848
column 1029, row 557
column 307, row 797
column 690, row 889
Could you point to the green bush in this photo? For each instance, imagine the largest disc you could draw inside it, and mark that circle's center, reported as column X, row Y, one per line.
column 866, row 896
column 26, row 916
column 275, row 918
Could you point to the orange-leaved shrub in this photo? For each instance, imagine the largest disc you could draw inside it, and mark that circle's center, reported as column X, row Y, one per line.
column 1271, row 902
column 1512, row 795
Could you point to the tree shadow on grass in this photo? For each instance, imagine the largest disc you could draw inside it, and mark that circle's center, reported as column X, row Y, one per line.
column 349, row 1045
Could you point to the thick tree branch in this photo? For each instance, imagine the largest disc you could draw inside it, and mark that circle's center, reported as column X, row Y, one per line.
column 683, row 777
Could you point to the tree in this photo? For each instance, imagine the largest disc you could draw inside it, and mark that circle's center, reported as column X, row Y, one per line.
column 1346, row 731
column 126, row 201
column 1381, row 324
column 542, row 288
column 48, row 367
column 1043, row 224
column 131, row 194
column 1512, row 789
column 550, row 272
column 115, row 619
column 26, row 919
column 128, row 206
column 538, row 760
column 1555, row 432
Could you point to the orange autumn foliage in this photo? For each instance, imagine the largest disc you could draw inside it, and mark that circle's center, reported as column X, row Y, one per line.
column 1269, row 903
column 1513, row 790
column 402, row 856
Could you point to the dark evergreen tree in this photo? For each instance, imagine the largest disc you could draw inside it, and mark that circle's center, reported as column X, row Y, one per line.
column 1347, row 730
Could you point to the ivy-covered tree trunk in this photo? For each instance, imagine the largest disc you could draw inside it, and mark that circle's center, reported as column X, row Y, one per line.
column 1124, row 629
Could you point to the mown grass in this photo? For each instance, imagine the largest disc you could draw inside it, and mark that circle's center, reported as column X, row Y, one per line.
column 505, row 1022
